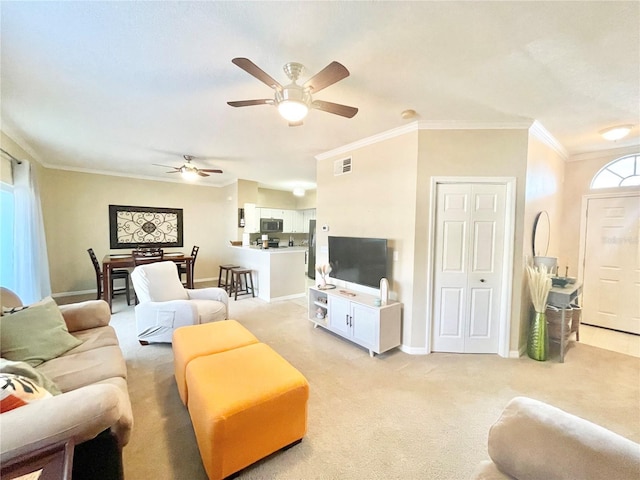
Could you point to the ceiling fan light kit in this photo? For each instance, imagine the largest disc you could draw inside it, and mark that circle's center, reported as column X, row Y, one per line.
column 188, row 171
column 616, row 133
column 189, row 175
column 294, row 101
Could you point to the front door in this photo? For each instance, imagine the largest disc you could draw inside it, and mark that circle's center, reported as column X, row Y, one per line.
column 611, row 285
column 469, row 243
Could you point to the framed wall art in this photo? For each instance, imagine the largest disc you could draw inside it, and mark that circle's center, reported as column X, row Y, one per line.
column 133, row 227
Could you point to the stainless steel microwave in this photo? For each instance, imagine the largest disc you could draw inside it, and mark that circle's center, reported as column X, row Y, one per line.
column 271, row 225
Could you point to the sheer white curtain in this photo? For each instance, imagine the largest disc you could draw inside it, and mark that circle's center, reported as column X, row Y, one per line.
column 31, row 264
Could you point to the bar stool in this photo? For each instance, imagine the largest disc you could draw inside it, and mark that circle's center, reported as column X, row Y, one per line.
column 237, row 275
column 226, row 284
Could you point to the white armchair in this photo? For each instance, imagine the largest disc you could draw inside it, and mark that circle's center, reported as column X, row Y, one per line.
column 166, row 305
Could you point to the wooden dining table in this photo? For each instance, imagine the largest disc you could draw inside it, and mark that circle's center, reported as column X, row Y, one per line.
column 113, row 261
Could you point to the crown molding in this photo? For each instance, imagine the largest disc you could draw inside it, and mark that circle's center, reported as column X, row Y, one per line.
column 349, row 147
column 610, row 152
column 542, row 134
column 421, row 125
column 135, row 177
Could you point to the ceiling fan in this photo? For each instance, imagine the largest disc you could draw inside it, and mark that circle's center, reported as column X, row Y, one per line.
column 190, row 171
column 293, row 100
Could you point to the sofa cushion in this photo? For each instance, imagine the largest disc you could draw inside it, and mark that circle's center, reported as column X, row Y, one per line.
column 94, row 338
column 74, row 371
column 17, row 391
column 36, row 334
column 26, row 370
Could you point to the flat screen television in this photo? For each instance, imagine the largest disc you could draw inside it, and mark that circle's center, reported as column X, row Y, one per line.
column 358, row 260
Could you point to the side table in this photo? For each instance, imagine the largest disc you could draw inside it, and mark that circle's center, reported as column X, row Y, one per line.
column 562, row 298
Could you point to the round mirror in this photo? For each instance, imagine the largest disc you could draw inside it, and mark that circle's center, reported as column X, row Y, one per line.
column 541, row 234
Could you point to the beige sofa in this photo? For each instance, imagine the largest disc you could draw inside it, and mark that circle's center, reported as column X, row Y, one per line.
column 534, row 441
column 94, row 408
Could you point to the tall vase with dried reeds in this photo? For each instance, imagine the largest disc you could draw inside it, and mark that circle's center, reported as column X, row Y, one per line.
column 539, row 287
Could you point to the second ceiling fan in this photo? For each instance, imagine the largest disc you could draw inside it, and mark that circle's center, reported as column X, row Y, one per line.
column 293, row 100
column 189, row 170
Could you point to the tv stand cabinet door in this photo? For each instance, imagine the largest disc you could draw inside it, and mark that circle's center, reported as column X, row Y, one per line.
column 339, row 316
column 366, row 321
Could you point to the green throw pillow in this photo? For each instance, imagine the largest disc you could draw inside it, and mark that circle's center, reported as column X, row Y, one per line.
column 36, row 334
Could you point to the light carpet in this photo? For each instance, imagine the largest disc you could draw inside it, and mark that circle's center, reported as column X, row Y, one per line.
column 394, row 416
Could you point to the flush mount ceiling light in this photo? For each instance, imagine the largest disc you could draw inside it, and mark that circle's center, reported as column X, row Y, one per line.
column 299, row 192
column 616, row 133
column 408, row 114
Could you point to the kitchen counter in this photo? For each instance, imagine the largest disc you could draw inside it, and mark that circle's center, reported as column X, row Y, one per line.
column 278, row 273
column 273, row 250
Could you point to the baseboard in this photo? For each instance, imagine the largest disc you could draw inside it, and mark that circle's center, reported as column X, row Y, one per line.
column 518, row 353
column 287, row 297
column 72, row 294
column 414, row 350
column 93, row 291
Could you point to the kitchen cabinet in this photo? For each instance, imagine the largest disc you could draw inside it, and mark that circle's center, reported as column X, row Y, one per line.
column 287, row 220
column 251, row 218
column 354, row 316
column 294, row 221
column 297, row 221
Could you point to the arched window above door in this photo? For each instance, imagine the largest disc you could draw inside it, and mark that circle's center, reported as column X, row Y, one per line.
column 622, row 172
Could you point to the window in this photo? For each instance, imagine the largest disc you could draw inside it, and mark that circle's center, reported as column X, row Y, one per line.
column 6, row 236
column 623, row 172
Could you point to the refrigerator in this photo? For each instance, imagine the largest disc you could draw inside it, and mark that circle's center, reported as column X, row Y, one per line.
column 311, row 259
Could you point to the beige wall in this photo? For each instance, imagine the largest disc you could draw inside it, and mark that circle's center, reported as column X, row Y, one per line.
column 75, row 211
column 76, row 216
column 6, row 174
column 377, row 199
column 544, row 188
column 580, row 171
column 388, row 195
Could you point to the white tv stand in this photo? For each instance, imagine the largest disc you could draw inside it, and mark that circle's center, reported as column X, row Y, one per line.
column 354, row 316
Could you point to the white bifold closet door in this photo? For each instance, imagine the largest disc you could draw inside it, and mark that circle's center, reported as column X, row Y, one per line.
column 470, row 229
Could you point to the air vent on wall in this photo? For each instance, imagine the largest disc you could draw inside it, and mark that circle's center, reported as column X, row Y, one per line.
column 340, row 167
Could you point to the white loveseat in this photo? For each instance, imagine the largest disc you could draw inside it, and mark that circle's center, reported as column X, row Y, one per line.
column 166, row 305
column 535, row 441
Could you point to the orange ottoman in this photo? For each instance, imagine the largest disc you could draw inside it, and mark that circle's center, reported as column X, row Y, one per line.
column 197, row 340
column 245, row 404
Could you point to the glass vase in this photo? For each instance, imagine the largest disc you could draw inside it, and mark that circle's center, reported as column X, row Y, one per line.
column 538, row 341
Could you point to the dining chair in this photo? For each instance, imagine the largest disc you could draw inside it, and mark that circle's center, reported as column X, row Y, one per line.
column 115, row 274
column 182, row 267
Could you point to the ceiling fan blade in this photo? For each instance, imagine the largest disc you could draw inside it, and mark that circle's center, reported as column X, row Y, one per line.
column 173, row 171
column 332, row 73
column 210, row 170
column 165, row 166
column 335, row 108
column 295, row 124
column 252, row 69
column 248, row 103
column 202, row 174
